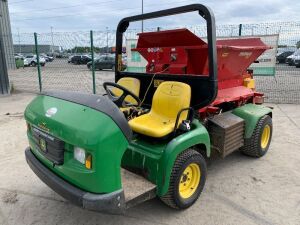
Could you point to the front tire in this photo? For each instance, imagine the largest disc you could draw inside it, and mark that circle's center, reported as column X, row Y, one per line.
column 258, row 144
column 187, row 180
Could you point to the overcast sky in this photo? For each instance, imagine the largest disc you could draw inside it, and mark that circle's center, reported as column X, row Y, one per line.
column 76, row 15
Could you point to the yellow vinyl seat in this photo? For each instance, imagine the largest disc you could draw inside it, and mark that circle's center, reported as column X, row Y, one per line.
column 169, row 98
column 130, row 83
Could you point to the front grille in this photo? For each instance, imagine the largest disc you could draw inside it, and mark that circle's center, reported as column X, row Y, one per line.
column 51, row 147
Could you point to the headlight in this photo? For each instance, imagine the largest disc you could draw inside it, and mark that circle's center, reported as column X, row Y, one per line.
column 79, row 155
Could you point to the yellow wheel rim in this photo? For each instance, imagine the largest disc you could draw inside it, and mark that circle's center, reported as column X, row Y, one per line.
column 265, row 137
column 189, row 180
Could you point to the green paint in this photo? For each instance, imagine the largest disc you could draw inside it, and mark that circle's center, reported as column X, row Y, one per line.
column 198, row 135
column 87, row 128
column 19, row 62
column 95, row 132
column 251, row 114
column 156, row 157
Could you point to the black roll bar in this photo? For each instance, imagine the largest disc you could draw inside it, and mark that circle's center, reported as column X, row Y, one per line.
column 204, row 11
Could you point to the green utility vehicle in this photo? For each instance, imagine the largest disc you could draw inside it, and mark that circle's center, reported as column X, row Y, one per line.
column 150, row 134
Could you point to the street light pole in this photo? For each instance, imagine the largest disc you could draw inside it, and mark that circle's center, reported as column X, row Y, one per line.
column 106, row 39
column 267, row 30
column 142, row 14
column 19, row 40
column 52, row 45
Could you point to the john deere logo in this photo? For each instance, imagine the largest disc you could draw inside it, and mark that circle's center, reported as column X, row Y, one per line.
column 43, row 126
column 50, row 112
column 43, row 145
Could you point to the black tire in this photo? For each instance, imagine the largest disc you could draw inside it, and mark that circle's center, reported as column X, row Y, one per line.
column 33, row 64
column 253, row 146
column 172, row 198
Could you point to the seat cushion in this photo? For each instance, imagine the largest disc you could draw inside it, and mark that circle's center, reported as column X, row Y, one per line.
column 152, row 125
column 169, row 98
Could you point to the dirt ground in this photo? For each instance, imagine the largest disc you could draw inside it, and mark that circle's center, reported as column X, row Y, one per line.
column 239, row 189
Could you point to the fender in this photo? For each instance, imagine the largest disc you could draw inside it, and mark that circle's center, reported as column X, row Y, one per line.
column 251, row 113
column 198, row 135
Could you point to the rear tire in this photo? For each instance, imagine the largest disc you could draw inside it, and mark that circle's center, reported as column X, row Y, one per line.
column 179, row 196
column 258, row 144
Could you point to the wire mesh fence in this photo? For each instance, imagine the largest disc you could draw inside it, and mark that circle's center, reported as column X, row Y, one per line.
column 65, row 59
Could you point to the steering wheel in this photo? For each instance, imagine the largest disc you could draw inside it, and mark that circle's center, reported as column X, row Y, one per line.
column 120, row 100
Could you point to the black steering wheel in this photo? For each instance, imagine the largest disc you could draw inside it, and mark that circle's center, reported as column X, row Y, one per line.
column 120, row 100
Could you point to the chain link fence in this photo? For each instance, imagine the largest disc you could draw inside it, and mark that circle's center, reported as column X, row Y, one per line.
column 59, row 71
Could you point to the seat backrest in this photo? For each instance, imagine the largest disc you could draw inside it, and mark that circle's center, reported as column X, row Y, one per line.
column 132, row 84
column 171, row 97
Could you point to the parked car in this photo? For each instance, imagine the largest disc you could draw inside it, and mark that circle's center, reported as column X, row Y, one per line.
column 18, row 55
column 79, row 59
column 47, row 57
column 31, row 60
column 105, row 62
column 290, row 59
column 297, row 61
column 281, row 57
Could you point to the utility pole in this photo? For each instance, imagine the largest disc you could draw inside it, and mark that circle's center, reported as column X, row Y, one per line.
column 106, row 39
column 52, row 45
column 20, row 51
column 142, row 14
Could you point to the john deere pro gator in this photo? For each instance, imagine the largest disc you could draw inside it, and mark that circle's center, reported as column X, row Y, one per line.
column 150, row 134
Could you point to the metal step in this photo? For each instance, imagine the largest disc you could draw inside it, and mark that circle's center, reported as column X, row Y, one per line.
column 136, row 188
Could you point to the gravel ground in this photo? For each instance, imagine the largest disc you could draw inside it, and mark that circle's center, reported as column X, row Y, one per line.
column 59, row 75
column 239, row 189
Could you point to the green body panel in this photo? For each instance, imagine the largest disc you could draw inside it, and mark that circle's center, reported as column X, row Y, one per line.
column 156, row 158
column 86, row 128
column 251, row 113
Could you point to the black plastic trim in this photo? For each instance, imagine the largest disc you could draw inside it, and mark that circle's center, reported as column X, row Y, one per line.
column 97, row 102
column 206, row 14
column 113, row 203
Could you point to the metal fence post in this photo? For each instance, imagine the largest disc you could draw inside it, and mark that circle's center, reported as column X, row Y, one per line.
column 240, row 29
column 38, row 60
column 4, row 81
column 93, row 62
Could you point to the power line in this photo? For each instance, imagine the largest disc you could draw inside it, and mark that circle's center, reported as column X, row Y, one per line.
column 89, row 13
column 63, row 7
